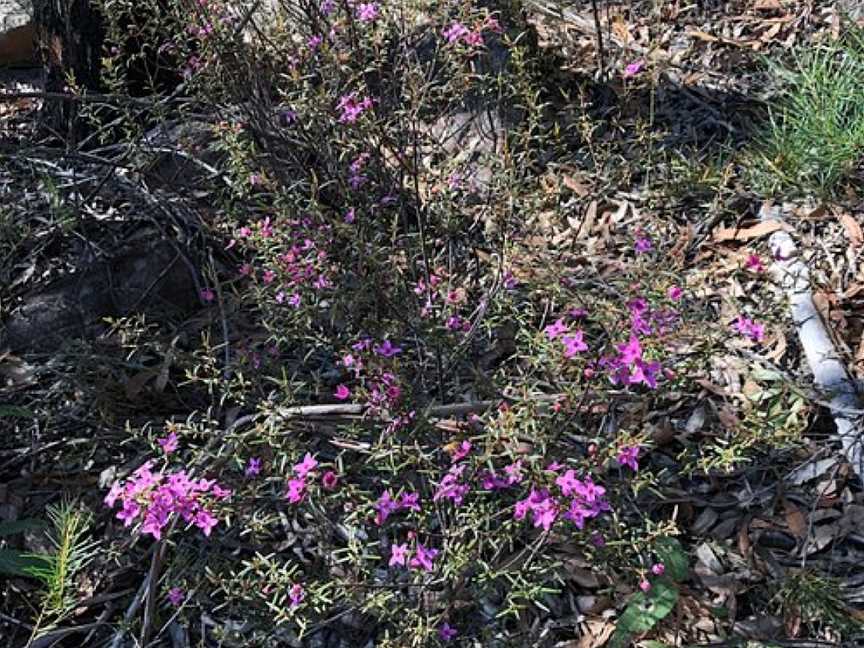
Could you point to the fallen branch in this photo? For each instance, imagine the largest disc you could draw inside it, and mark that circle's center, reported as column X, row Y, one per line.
column 830, row 373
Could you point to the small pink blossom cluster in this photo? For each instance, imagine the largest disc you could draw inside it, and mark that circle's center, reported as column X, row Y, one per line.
column 423, row 558
column 490, row 480
column 456, row 32
column 367, row 11
column 356, row 179
column 386, row 506
column 646, row 321
column 628, row 367
column 304, row 267
column 587, row 501
column 153, row 497
column 451, row 487
column 383, row 391
column 573, row 342
column 296, row 487
column 351, row 108
column 749, row 328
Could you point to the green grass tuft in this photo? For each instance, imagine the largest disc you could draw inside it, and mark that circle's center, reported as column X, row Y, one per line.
column 814, row 138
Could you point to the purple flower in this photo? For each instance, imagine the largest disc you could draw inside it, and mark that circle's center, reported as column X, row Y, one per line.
column 642, row 245
column 455, row 32
column 205, row 521
column 296, row 490
column 461, row 452
column 634, row 68
column 555, row 329
column 628, row 456
column 386, row 349
column 573, row 344
column 306, row 466
column 658, row 569
column 168, row 443
column 253, row 467
column 176, row 596
column 674, row 293
column 410, row 501
column 749, row 328
column 296, row 594
column 342, row 392
column 423, row 558
column 330, row 480
column 367, row 11
column 351, row 108
column 384, row 507
column 398, row 555
column 447, row 632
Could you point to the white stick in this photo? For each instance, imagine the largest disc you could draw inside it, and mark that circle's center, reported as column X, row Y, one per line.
column 829, row 371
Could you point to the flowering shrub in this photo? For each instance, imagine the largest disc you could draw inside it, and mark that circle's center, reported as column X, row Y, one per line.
column 412, row 434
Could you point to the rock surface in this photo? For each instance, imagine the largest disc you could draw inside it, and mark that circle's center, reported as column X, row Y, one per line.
column 16, row 32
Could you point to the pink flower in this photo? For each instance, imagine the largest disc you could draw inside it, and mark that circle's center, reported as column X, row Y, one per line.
column 205, row 521
column 129, row 512
column 749, row 328
column 423, row 558
column 634, row 68
column 398, row 554
column 342, row 392
column 461, row 452
column 296, row 490
column 176, row 596
column 296, row 594
column 367, row 11
column 409, row 501
column 207, row 295
column 447, row 632
column 351, row 108
column 455, row 32
column 555, row 329
column 306, row 466
column 573, row 344
column 514, row 472
column 643, row 245
column 568, row 483
column 330, row 480
column 384, row 507
column 253, row 467
column 754, row 263
column 645, row 586
column 219, row 492
column 658, row 569
column 386, row 349
column 628, row 456
column 168, row 443
column 474, row 39
column 674, row 293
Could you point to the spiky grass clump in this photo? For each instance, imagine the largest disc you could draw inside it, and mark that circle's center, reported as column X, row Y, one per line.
column 815, row 132
column 72, row 551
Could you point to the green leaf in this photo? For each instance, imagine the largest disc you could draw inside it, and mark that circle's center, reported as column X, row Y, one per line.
column 673, row 557
column 19, row 526
column 17, row 563
column 644, row 611
column 653, row 644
